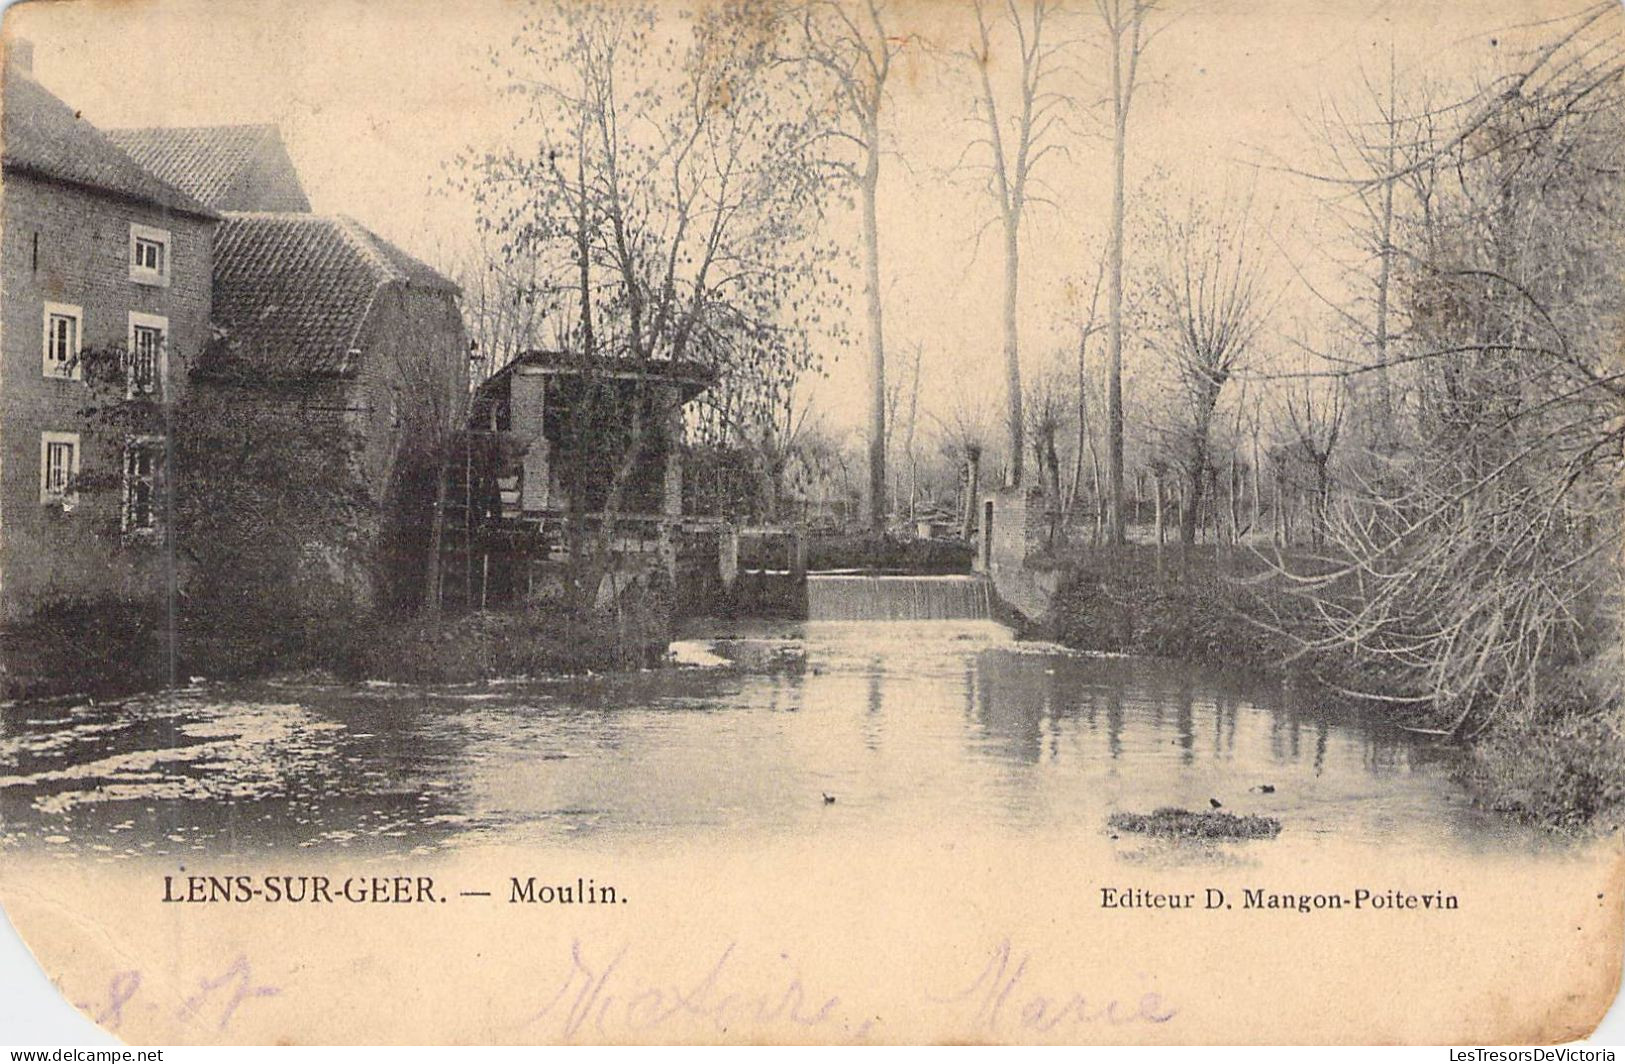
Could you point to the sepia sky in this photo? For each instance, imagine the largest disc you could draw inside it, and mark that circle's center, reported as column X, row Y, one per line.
column 375, row 98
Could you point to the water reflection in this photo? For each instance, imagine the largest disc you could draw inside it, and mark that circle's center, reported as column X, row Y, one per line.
column 939, row 726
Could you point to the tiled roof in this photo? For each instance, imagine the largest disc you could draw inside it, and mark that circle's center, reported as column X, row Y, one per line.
column 43, row 136
column 208, row 162
column 292, row 291
column 691, row 377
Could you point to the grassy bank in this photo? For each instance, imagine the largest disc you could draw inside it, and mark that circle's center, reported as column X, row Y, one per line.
column 538, row 641
column 1188, row 605
column 1560, row 764
column 104, row 647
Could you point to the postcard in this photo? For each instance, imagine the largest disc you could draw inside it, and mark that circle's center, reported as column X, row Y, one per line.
column 814, row 521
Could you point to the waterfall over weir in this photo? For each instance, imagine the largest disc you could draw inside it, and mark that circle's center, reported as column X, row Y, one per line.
column 846, row 597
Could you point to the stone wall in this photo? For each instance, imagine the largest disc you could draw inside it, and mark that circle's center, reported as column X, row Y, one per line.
column 527, row 405
column 66, row 245
column 1019, row 525
column 1015, row 529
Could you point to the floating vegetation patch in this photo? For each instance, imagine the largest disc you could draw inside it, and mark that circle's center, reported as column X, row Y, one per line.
column 1172, row 823
column 760, row 655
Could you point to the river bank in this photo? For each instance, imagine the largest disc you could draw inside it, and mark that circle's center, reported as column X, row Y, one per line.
column 106, row 646
column 1560, row 765
column 109, row 647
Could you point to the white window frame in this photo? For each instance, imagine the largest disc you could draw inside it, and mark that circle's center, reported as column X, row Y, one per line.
column 49, row 366
column 131, row 443
column 146, row 274
column 160, row 368
column 67, row 497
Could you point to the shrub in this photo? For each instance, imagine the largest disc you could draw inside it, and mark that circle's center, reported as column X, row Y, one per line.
column 886, row 553
column 1555, row 761
column 1120, row 601
column 1556, row 764
column 541, row 639
column 96, row 644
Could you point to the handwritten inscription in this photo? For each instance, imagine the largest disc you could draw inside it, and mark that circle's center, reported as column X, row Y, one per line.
column 602, row 996
column 215, row 1001
column 1005, row 998
column 605, row 998
column 227, row 992
column 120, row 989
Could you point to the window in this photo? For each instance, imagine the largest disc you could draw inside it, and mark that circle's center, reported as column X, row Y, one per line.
column 147, row 365
column 143, row 483
column 59, row 467
column 149, row 255
column 63, row 325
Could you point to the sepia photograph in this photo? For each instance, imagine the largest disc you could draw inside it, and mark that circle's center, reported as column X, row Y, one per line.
column 815, row 521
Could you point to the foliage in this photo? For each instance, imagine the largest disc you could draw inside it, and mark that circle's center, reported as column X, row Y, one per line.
column 1482, row 535
column 262, row 504
column 660, row 186
column 1181, row 606
column 272, row 515
column 544, row 638
column 95, row 644
column 662, row 197
column 1557, row 762
column 105, row 645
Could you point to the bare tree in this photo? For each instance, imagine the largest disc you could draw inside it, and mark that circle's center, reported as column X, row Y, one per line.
column 506, row 303
column 671, row 195
column 1479, row 567
column 1048, row 404
column 1127, row 34
column 1252, row 421
column 1088, row 325
column 902, row 414
column 1362, row 137
column 1021, row 127
column 851, row 47
column 1209, row 301
column 817, row 472
column 964, row 433
column 1314, row 413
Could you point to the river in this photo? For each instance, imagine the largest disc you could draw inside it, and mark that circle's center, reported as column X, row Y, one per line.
column 833, row 726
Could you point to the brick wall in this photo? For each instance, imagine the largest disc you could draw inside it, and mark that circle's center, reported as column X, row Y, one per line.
column 413, row 375
column 66, row 245
column 1020, row 526
column 411, row 391
column 1020, row 530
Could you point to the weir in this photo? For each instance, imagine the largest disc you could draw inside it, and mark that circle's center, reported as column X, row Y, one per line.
column 846, row 597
